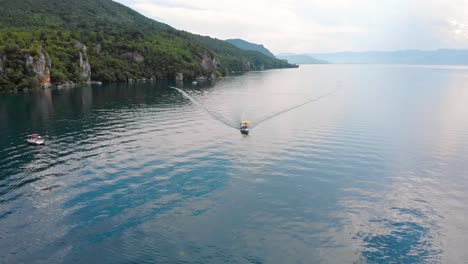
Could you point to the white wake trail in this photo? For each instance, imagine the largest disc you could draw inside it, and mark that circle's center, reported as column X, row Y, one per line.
column 255, row 123
column 270, row 116
column 213, row 114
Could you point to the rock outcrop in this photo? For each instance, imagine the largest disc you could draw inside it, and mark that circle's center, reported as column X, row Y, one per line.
column 179, row 77
column 2, row 64
column 97, row 48
column 41, row 66
column 135, row 56
column 85, row 66
column 248, row 65
column 210, row 64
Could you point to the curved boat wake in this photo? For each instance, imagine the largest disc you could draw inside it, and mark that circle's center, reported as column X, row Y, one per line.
column 234, row 123
column 271, row 116
column 213, row 114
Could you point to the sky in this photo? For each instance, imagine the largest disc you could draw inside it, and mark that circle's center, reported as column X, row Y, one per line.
column 316, row 26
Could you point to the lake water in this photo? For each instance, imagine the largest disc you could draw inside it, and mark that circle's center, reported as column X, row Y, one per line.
column 373, row 170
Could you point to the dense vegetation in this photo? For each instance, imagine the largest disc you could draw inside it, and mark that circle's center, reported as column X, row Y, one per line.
column 121, row 45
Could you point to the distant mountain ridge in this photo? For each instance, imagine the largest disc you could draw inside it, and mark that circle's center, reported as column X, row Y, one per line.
column 300, row 59
column 245, row 45
column 434, row 57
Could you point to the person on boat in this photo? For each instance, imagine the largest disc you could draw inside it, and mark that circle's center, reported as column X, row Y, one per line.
column 244, row 125
column 244, row 128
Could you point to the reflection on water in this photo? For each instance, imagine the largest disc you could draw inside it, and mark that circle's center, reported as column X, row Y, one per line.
column 136, row 173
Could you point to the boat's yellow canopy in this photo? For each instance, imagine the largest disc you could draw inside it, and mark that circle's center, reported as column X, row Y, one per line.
column 246, row 121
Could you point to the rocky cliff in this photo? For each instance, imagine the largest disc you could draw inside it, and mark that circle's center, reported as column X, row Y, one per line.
column 210, row 64
column 85, row 66
column 32, row 68
column 40, row 66
column 122, row 45
column 135, row 57
column 2, row 64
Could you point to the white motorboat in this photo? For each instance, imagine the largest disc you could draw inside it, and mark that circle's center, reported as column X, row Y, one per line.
column 35, row 140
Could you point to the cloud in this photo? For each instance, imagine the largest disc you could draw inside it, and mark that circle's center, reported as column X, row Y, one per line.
column 317, row 25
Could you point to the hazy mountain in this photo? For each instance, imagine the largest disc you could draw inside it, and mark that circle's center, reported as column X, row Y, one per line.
column 438, row 57
column 300, row 59
column 63, row 41
column 245, row 45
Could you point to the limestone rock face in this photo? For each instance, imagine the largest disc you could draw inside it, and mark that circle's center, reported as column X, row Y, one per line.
column 135, row 56
column 179, row 77
column 98, row 48
column 40, row 66
column 2, row 64
column 85, row 66
column 248, row 66
column 210, row 64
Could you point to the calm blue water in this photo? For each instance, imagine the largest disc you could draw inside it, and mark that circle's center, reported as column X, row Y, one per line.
column 373, row 172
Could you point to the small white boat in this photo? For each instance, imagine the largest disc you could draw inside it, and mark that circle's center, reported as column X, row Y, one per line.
column 35, row 140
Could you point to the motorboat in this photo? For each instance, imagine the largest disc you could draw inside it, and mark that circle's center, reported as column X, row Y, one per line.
column 35, row 140
column 244, row 128
column 244, row 131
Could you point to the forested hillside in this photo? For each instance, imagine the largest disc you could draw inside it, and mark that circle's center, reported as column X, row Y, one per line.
column 245, row 45
column 45, row 42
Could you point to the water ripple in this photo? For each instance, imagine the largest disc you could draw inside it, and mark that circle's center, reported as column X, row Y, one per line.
column 138, row 174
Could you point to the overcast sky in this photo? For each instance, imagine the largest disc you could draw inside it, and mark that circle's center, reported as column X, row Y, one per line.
column 309, row 26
